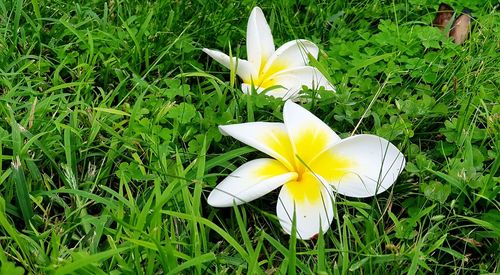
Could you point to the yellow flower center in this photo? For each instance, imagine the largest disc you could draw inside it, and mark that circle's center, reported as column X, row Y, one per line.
column 264, row 79
column 309, row 159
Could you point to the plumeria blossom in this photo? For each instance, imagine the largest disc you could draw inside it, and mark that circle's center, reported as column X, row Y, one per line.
column 310, row 163
column 284, row 70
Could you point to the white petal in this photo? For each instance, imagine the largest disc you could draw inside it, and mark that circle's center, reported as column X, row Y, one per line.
column 313, row 211
column 260, row 45
column 244, row 68
column 294, row 79
column 282, row 92
column 250, row 181
column 270, row 138
column 309, row 135
column 373, row 166
column 290, row 55
column 247, row 88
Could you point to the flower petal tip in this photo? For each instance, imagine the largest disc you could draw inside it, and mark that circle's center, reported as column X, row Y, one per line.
column 212, row 201
column 256, row 10
column 222, row 129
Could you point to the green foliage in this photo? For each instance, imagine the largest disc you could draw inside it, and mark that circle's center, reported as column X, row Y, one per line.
column 109, row 142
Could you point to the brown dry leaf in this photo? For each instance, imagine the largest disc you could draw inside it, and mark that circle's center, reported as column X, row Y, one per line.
column 443, row 16
column 461, row 27
column 470, row 241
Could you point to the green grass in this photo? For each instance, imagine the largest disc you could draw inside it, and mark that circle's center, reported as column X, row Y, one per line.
column 109, row 143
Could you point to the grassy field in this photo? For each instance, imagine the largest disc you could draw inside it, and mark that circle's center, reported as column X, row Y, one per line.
column 109, row 143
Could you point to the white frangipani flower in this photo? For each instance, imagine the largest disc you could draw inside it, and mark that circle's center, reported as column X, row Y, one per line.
column 309, row 162
column 284, row 69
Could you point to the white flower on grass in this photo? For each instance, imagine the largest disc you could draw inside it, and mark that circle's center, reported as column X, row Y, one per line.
column 309, row 162
column 284, row 69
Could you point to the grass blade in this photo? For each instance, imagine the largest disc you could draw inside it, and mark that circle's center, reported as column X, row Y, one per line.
column 22, row 193
column 91, row 259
